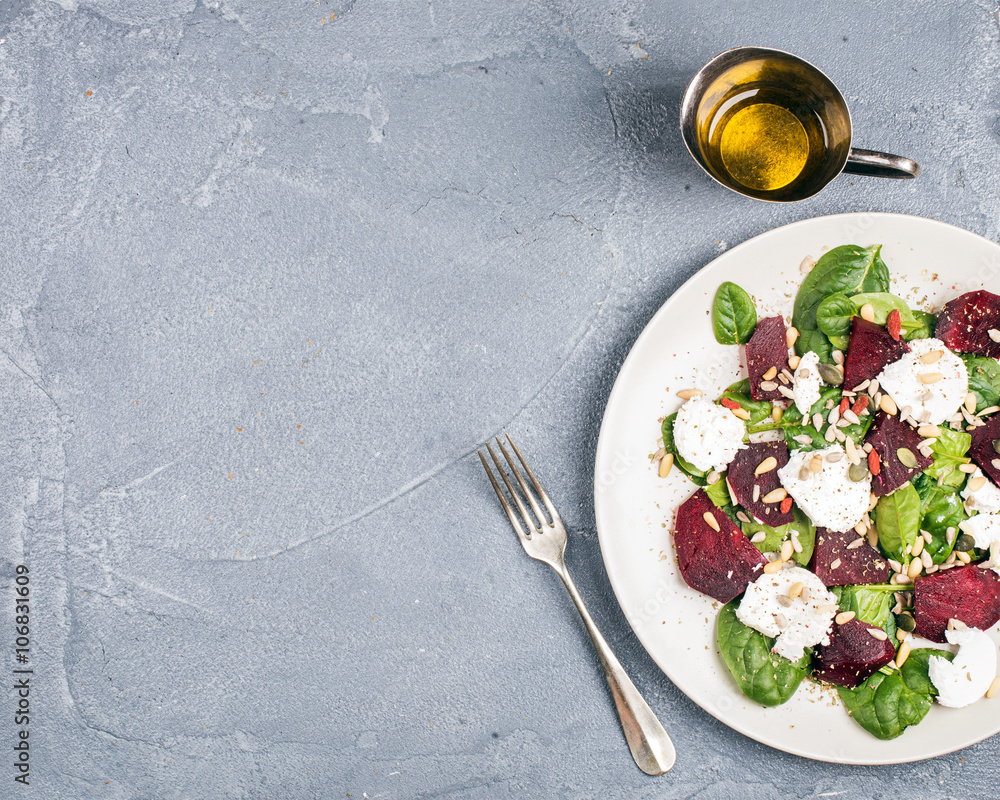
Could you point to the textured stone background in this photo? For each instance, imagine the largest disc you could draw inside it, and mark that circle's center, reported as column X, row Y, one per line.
column 271, row 272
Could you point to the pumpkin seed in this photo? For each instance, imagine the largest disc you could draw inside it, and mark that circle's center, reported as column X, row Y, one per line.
column 964, row 543
column 906, row 458
column 857, row 472
column 831, row 373
column 905, row 622
column 996, row 445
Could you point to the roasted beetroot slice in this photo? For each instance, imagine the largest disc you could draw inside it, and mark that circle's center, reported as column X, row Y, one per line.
column 742, row 480
column 836, row 565
column 870, row 349
column 965, row 323
column 852, row 655
column 887, row 436
column 767, row 348
column 968, row 593
column 718, row 563
column 983, row 452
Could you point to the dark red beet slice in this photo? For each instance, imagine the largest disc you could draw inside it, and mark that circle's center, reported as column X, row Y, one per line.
column 852, row 655
column 767, row 348
column 719, row 563
column 887, row 436
column 871, row 348
column 964, row 323
column 742, row 480
column 967, row 593
column 862, row 564
column 983, row 452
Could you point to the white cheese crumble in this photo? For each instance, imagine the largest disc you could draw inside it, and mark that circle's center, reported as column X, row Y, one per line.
column 828, row 497
column 932, row 402
column 986, row 499
column 983, row 528
column 807, row 382
column 967, row 677
column 708, row 435
column 798, row 625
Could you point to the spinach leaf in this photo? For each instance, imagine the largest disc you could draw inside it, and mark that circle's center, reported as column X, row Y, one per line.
column 941, row 508
column 949, row 454
column 848, row 269
column 803, row 527
column 689, row 469
column 897, row 520
column 872, row 604
column 916, row 672
column 883, row 304
column 718, row 493
column 734, row 316
column 763, row 676
column 984, row 380
column 740, row 392
column 924, row 329
column 885, row 705
column 834, row 317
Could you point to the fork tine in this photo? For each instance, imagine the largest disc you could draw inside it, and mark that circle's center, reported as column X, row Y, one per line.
column 503, row 500
column 513, row 492
column 542, row 520
column 534, row 482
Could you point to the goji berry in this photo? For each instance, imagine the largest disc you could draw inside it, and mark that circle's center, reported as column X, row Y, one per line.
column 874, row 463
column 730, row 404
column 894, row 324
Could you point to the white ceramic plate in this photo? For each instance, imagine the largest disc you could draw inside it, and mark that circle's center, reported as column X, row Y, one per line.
column 930, row 263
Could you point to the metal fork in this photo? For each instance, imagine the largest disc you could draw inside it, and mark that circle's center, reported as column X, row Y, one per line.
column 650, row 745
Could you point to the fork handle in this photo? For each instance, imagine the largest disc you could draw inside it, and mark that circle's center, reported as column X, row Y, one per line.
column 650, row 745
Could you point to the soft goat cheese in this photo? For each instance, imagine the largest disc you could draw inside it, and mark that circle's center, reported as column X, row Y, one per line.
column 804, row 622
column 828, row 497
column 807, row 382
column 931, row 402
column 708, row 435
column 966, row 678
column 984, row 530
column 986, row 499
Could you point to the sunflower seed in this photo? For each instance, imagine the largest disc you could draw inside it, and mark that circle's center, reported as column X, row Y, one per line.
column 844, row 616
column 666, row 464
column 775, row 495
column 687, row 394
column 878, row 633
column 711, row 521
column 994, row 334
column 932, row 356
column 766, row 465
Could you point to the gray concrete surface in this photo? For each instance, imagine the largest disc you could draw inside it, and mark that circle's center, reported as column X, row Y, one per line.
column 270, row 272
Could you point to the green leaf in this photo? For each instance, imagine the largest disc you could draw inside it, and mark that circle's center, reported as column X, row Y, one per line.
column 718, row 493
column 886, row 705
column 871, row 604
column 740, row 392
column 802, row 525
column 897, row 520
column 883, row 304
column 734, row 316
column 763, row 676
column 835, row 315
column 696, row 475
column 949, row 454
column 848, row 269
column 984, row 380
column 941, row 508
column 916, row 670
column 924, row 329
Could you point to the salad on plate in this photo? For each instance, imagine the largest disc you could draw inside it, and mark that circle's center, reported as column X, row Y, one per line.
column 847, row 509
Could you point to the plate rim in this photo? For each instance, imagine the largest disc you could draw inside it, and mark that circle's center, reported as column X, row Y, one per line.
column 603, row 445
